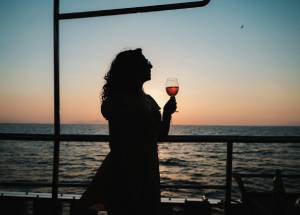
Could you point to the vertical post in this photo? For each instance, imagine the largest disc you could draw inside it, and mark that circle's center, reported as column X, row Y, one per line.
column 228, row 179
column 56, row 100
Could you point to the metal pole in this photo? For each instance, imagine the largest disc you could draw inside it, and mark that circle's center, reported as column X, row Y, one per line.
column 228, row 178
column 56, row 100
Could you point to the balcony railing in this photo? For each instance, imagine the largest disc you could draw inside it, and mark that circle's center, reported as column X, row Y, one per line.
column 196, row 139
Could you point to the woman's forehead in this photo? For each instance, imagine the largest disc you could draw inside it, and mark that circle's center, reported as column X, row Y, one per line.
column 143, row 58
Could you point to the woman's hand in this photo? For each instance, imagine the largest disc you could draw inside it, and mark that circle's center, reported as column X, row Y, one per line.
column 171, row 106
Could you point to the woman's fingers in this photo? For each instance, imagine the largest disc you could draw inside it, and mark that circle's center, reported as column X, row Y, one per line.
column 171, row 106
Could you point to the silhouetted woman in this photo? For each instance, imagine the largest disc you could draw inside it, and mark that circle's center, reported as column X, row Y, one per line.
column 128, row 181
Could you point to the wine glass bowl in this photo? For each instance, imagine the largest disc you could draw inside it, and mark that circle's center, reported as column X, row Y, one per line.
column 172, row 86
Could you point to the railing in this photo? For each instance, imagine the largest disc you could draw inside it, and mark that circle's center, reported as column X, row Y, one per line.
column 230, row 140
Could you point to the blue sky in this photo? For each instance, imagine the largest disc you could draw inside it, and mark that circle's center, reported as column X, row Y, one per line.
column 227, row 74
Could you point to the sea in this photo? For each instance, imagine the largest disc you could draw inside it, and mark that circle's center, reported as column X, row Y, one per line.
column 180, row 163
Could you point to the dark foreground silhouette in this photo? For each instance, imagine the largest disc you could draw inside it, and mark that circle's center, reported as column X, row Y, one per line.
column 128, row 181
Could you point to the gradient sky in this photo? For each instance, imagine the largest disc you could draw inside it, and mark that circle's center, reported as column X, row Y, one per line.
column 228, row 75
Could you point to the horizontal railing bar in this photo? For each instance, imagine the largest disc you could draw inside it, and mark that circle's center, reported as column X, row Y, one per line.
column 50, row 137
column 29, row 137
column 16, row 184
column 143, row 9
column 170, row 138
column 266, row 176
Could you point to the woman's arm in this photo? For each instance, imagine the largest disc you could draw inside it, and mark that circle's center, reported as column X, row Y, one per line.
column 169, row 109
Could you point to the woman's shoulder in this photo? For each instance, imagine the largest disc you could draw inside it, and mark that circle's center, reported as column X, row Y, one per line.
column 119, row 104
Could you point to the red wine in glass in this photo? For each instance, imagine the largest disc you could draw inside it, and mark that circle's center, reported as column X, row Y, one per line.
column 172, row 91
column 172, row 86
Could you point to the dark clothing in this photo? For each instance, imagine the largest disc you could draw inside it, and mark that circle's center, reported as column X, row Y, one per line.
column 128, row 181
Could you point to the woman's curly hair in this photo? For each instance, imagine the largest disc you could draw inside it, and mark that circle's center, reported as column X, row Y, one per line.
column 124, row 72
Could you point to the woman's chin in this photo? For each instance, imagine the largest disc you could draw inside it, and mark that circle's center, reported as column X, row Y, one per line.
column 147, row 79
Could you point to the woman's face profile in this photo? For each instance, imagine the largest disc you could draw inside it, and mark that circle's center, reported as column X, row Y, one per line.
column 146, row 76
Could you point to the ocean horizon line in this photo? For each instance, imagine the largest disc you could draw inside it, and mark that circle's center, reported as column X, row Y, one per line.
column 206, row 125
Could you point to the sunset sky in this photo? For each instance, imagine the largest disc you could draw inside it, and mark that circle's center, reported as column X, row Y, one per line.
column 237, row 61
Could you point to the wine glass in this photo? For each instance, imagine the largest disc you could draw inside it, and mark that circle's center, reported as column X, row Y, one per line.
column 172, row 86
